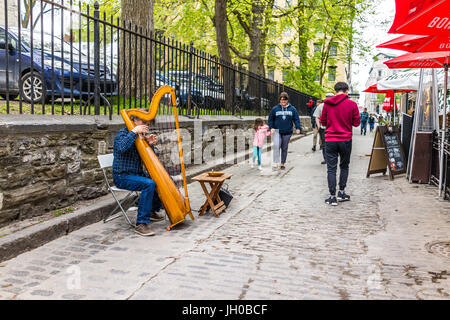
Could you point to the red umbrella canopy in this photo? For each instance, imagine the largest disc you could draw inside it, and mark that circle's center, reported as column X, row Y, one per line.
column 427, row 17
column 373, row 89
column 420, row 60
column 415, row 43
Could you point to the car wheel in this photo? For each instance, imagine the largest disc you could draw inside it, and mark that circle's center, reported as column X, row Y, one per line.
column 12, row 96
column 32, row 89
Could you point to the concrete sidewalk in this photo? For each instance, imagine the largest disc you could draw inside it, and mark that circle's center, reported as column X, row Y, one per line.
column 277, row 240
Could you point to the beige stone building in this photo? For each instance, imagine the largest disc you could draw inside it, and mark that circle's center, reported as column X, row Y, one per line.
column 12, row 13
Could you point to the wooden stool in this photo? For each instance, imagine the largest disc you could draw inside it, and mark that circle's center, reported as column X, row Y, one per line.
column 215, row 184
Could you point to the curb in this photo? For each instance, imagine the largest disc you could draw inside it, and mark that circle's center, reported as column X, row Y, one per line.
column 39, row 234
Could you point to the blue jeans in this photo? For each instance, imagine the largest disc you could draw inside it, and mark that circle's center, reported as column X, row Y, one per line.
column 257, row 153
column 148, row 200
column 334, row 150
column 363, row 127
column 280, row 141
column 371, row 126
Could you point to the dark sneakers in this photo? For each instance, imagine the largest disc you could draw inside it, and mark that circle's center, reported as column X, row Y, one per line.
column 282, row 167
column 342, row 196
column 143, row 229
column 313, row 148
column 331, row 201
column 154, row 216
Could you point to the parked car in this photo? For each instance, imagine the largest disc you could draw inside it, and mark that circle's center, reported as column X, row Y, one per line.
column 52, row 75
column 213, row 98
column 181, row 89
column 208, row 82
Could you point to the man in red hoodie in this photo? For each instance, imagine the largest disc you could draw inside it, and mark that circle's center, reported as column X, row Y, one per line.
column 338, row 116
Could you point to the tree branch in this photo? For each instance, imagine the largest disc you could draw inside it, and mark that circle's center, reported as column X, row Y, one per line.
column 239, row 54
column 242, row 22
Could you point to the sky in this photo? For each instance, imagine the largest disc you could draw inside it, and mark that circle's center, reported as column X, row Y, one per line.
column 374, row 32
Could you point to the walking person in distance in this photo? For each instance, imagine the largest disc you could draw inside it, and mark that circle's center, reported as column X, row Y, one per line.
column 317, row 114
column 282, row 117
column 364, row 118
column 338, row 116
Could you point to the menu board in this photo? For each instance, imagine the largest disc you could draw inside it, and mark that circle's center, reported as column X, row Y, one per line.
column 387, row 152
column 395, row 159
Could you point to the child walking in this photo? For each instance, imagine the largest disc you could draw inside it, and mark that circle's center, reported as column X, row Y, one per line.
column 261, row 131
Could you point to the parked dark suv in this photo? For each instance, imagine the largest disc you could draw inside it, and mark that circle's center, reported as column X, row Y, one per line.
column 40, row 87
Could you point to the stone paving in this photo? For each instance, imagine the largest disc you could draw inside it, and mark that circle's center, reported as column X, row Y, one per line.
column 277, row 240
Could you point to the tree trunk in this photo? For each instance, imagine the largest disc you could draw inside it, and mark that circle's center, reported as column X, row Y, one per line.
column 138, row 69
column 223, row 46
column 302, row 42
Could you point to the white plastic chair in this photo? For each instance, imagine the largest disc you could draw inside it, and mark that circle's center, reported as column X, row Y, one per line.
column 106, row 161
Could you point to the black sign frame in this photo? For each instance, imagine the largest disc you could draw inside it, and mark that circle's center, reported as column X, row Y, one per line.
column 385, row 150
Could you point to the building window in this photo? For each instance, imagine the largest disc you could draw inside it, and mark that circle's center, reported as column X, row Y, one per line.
column 287, row 50
column 271, row 74
column 285, row 75
column 288, row 3
column 331, row 73
column 272, row 50
column 288, row 31
column 317, row 47
column 333, row 50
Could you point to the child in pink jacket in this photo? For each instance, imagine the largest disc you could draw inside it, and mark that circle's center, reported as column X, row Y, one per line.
column 261, row 132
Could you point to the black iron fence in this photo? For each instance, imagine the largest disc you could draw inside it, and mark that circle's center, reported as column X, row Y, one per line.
column 67, row 58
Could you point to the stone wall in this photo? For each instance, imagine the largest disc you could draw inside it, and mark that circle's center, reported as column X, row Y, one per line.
column 50, row 162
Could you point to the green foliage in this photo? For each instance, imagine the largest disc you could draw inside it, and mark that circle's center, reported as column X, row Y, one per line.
column 326, row 23
column 186, row 21
column 60, row 212
column 109, row 9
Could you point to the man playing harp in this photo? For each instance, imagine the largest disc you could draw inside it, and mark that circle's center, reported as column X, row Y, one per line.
column 128, row 174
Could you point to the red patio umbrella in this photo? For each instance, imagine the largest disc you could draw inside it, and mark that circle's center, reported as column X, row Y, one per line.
column 415, row 43
column 427, row 17
column 373, row 89
column 390, row 96
column 438, row 59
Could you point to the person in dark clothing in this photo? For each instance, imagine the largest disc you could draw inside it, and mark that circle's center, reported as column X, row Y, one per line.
column 315, row 127
column 364, row 118
column 317, row 114
column 128, row 174
column 310, row 106
column 281, row 119
column 338, row 116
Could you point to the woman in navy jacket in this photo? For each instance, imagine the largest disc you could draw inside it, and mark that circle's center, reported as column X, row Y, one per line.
column 281, row 119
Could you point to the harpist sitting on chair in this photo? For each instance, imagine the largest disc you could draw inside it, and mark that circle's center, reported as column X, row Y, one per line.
column 128, row 174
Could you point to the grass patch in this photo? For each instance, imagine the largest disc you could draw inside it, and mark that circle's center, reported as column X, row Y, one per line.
column 77, row 107
column 60, row 212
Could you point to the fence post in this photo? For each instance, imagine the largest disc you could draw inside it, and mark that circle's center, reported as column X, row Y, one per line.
column 96, row 59
column 191, row 49
column 233, row 102
column 260, row 80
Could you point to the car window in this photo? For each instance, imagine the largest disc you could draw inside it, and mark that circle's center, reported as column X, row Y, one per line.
column 10, row 40
column 46, row 42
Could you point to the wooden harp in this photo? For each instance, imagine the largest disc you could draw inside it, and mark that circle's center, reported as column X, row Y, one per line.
column 177, row 206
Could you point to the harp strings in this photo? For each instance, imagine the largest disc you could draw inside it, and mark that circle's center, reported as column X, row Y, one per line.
column 167, row 147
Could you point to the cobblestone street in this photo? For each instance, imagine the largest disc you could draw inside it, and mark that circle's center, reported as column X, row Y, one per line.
column 277, row 240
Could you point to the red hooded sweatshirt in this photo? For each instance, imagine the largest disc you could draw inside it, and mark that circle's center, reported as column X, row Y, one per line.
column 339, row 114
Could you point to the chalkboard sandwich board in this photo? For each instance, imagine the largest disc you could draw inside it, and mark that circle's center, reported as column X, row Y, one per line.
column 387, row 152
